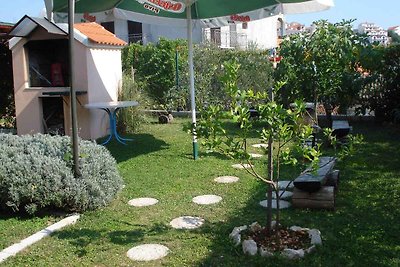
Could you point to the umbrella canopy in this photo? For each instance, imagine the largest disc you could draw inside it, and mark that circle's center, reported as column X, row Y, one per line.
column 209, row 13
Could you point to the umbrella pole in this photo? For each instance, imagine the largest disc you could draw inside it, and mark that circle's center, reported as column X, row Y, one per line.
column 191, row 77
column 74, row 121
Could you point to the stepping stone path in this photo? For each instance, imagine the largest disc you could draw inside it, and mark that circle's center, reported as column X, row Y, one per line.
column 255, row 155
column 260, row 145
column 186, row 222
column 142, row 202
column 286, row 194
column 147, row 252
column 284, row 184
column 226, row 179
column 242, row 166
column 282, row 204
column 207, row 199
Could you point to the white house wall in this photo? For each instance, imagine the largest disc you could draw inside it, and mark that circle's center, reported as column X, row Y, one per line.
column 155, row 32
column 262, row 32
column 121, row 29
column 103, row 84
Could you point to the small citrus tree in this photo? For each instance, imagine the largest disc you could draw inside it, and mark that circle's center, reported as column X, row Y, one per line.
column 281, row 126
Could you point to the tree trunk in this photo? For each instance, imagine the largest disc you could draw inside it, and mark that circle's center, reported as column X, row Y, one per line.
column 278, row 215
column 328, row 110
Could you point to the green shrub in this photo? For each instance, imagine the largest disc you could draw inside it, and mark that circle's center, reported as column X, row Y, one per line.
column 154, row 65
column 36, row 173
column 382, row 94
column 130, row 119
column 156, row 68
column 7, row 107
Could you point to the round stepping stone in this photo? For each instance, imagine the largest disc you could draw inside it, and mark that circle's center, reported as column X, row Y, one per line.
column 260, row 145
column 284, row 184
column 142, row 202
column 282, row 204
column 207, row 199
column 186, row 222
column 255, row 155
column 147, row 252
column 286, row 194
column 226, row 179
column 242, row 166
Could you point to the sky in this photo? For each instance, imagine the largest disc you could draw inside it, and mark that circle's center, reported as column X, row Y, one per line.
column 384, row 13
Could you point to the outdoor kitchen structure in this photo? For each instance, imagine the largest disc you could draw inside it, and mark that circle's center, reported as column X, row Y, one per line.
column 41, row 76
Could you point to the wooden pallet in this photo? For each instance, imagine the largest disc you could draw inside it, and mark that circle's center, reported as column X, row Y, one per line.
column 324, row 198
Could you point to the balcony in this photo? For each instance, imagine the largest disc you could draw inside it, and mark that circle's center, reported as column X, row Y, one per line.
column 225, row 39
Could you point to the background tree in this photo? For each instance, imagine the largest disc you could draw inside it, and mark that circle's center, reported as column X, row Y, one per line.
column 156, row 71
column 381, row 93
column 323, row 65
column 7, row 107
column 395, row 37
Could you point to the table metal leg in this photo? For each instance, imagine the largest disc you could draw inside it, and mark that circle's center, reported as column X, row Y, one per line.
column 113, row 127
column 110, row 116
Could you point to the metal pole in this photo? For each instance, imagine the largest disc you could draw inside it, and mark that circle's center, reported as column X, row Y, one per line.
column 191, row 76
column 270, row 172
column 176, row 68
column 74, row 121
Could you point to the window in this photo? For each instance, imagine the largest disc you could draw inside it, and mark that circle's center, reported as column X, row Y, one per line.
column 216, row 36
column 48, row 63
column 134, row 32
column 109, row 26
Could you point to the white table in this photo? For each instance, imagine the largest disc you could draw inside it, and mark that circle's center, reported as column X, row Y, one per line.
column 111, row 108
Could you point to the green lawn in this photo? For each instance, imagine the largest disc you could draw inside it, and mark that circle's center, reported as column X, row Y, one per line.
column 363, row 231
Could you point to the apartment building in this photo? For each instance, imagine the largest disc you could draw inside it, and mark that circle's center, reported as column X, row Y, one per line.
column 375, row 33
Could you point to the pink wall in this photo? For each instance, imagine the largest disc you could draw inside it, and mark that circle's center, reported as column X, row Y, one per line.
column 98, row 71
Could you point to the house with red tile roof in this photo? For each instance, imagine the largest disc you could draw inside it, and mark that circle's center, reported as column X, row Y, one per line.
column 238, row 35
column 41, row 75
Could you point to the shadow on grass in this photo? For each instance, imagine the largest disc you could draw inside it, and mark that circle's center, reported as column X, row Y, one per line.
column 363, row 231
column 22, row 215
column 142, row 144
column 83, row 238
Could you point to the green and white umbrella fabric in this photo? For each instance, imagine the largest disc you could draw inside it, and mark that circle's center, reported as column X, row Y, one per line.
column 210, row 13
column 207, row 13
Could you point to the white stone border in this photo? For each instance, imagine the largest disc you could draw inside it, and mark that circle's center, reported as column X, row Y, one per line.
column 14, row 249
column 250, row 246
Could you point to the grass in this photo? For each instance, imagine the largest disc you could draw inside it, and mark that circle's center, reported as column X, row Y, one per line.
column 364, row 229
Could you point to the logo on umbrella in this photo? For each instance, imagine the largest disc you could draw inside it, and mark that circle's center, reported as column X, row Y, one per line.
column 166, row 5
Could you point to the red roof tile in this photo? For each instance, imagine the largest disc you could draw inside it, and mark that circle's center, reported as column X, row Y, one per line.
column 98, row 34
